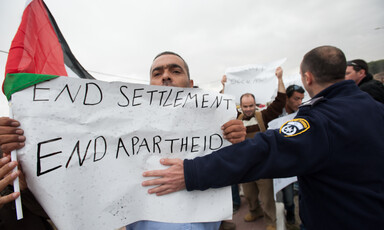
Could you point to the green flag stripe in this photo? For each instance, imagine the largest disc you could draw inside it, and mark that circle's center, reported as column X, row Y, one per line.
column 18, row 81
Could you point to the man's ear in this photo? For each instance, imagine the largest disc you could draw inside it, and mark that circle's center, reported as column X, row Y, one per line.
column 191, row 83
column 309, row 78
column 362, row 73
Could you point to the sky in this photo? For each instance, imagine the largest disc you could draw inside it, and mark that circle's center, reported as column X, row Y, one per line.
column 120, row 38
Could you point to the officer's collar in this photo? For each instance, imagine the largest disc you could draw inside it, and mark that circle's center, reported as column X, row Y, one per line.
column 329, row 92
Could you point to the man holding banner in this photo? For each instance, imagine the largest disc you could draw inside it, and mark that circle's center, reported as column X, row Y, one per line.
column 168, row 69
column 338, row 159
column 109, row 130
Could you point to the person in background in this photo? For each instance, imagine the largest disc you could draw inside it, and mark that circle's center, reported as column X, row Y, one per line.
column 357, row 70
column 379, row 77
column 295, row 96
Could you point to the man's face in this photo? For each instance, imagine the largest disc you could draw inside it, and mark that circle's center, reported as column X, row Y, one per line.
column 351, row 74
column 248, row 106
column 294, row 101
column 169, row 70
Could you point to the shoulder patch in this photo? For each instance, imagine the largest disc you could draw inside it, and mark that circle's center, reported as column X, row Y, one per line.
column 294, row 127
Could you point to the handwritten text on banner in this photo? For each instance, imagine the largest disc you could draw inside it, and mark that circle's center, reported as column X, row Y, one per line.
column 88, row 143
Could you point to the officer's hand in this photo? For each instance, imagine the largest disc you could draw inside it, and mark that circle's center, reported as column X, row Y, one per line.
column 6, row 178
column 234, row 131
column 11, row 137
column 170, row 179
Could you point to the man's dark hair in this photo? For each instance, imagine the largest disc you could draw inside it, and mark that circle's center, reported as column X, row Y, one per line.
column 326, row 63
column 293, row 88
column 247, row 94
column 358, row 64
column 173, row 53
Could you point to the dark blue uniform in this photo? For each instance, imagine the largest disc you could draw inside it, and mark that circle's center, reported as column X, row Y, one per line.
column 334, row 145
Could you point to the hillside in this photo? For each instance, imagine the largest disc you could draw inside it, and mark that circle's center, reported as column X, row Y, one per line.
column 375, row 67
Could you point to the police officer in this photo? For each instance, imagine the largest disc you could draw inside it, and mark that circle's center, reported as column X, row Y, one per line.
column 338, row 158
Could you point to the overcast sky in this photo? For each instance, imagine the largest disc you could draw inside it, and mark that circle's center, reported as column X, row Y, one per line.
column 122, row 37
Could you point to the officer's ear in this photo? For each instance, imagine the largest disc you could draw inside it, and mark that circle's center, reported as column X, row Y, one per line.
column 309, row 78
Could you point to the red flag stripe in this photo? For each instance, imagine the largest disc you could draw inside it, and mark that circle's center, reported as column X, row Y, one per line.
column 39, row 48
column 35, row 48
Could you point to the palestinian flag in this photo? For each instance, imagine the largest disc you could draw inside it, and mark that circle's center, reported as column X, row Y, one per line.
column 38, row 52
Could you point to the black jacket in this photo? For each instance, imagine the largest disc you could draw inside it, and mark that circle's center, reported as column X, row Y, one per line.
column 372, row 87
column 333, row 145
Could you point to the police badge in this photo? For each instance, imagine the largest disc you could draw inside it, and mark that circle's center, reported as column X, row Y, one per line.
column 294, row 127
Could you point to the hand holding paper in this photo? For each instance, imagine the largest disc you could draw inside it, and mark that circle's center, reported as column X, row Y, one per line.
column 234, row 131
column 256, row 79
column 7, row 177
column 11, row 137
column 279, row 72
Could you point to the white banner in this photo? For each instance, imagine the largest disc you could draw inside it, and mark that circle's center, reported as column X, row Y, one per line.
column 88, row 143
column 260, row 80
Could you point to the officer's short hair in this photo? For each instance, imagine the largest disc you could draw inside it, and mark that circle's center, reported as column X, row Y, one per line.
column 326, row 63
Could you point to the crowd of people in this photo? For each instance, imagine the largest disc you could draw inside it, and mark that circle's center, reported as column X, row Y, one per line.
column 337, row 158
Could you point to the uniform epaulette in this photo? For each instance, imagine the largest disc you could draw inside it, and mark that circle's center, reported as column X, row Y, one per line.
column 312, row 102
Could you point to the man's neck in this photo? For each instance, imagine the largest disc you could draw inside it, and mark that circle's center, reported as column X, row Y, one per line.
column 289, row 110
column 359, row 80
column 245, row 117
column 317, row 88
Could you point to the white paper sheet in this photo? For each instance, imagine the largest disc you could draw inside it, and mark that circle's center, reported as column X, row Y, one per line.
column 260, row 80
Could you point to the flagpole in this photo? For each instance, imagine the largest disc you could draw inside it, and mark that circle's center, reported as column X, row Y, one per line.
column 16, row 184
